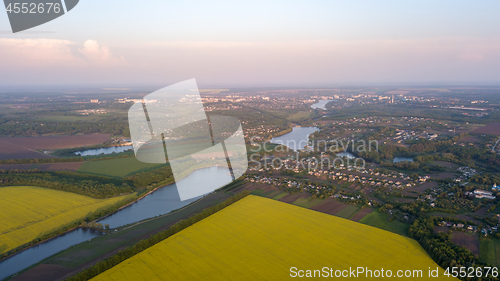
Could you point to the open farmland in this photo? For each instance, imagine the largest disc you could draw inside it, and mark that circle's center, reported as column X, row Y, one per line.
column 28, row 212
column 118, row 167
column 469, row 241
column 57, row 142
column 26, row 147
column 14, row 151
column 361, row 214
column 245, row 241
column 490, row 251
column 65, row 166
column 491, row 128
column 380, row 220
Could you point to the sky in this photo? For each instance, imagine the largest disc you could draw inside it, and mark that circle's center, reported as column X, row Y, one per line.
column 258, row 43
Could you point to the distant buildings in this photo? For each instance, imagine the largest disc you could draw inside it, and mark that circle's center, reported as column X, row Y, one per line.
column 495, row 187
column 480, row 194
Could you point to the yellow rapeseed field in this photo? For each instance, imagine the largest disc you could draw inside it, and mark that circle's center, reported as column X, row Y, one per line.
column 27, row 212
column 262, row 239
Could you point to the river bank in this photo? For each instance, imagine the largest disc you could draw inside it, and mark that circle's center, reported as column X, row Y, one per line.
column 80, row 258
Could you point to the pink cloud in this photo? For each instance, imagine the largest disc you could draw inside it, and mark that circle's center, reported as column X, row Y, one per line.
column 53, row 52
column 98, row 54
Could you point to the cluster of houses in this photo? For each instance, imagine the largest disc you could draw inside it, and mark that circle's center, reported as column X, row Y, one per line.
column 459, row 226
column 485, row 230
column 287, row 182
column 338, row 195
column 373, row 180
column 489, row 230
column 467, row 172
column 299, row 185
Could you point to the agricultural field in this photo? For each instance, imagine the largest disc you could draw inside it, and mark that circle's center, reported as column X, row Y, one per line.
column 469, row 241
column 300, row 115
column 347, row 212
column 28, row 212
column 489, row 251
column 380, row 220
column 65, row 166
column 491, row 128
column 56, row 142
column 245, row 241
column 118, row 167
column 30, row 147
column 14, row 151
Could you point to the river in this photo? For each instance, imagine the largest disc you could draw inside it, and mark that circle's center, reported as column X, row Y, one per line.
column 105, row 150
column 297, row 139
column 160, row 202
column 44, row 250
column 164, row 199
column 320, row 104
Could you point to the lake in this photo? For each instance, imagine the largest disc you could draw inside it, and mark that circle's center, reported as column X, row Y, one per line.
column 401, row 159
column 160, row 202
column 297, row 139
column 320, row 104
column 105, row 150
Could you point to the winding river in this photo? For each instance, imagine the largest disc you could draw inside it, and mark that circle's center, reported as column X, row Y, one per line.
column 160, row 202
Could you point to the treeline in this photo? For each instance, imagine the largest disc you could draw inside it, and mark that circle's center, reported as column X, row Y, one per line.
column 151, row 177
column 280, row 133
column 108, row 263
column 89, row 185
column 413, row 166
column 85, row 184
column 60, row 159
column 487, row 178
column 444, row 252
column 421, row 146
column 406, row 165
column 443, row 150
column 17, row 128
column 41, row 161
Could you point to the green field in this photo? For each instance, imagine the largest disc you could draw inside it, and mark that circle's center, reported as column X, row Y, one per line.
column 489, row 251
column 261, row 239
column 379, row 220
column 118, row 167
column 347, row 212
column 307, row 202
column 28, row 212
column 301, row 115
column 282, row 194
